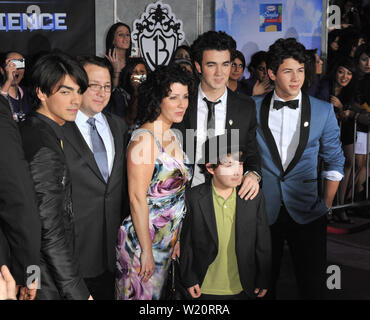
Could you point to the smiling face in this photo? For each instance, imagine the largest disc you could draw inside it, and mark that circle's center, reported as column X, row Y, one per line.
column 95, row 101
column 237, row 69
column 364, row 63
column 288, row 79
column 63, row 103
column 343, row 76
column 122, row 38
column 19, row 73
column 215, row 71
column 173, row 106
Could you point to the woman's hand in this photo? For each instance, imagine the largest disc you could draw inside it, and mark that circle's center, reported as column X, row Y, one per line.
column 262, row 87
column 336, row 102
column 147, row 265
column 113, row 59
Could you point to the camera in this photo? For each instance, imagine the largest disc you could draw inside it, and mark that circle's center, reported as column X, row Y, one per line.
column 141, row 78
column 19, row 63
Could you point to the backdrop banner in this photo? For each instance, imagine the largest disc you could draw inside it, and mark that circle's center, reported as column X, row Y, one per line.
column 255, row 25
column 31, row 27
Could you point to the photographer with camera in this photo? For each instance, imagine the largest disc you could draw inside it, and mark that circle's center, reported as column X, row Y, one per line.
column 18, row 97
column 132, row 76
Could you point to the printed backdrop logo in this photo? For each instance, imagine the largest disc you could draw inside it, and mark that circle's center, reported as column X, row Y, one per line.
column 157, row 33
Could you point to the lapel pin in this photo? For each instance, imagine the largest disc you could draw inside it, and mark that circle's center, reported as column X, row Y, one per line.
column 306, row 124
column 231, row 122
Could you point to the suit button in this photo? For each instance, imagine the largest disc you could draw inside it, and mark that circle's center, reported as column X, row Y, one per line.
column 282, row 179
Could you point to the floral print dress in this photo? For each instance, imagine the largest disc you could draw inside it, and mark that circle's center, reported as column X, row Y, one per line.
column 166, row 201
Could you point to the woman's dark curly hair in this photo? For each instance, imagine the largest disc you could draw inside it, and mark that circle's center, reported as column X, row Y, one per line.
column 157, row 87
column 212, row 40
column 283, row 49
column 110, row 37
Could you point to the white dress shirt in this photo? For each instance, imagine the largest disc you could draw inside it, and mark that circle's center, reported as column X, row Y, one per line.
column 104, row 131
column 201, row 130
column 285, row 126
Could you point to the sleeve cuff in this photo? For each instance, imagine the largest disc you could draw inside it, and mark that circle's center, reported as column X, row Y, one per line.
column 332, row 175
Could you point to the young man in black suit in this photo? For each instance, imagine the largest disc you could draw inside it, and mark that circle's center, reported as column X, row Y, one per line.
column 20, row 229
column 95, row 149
column 225, row 241
column 57, row 83
column 216, row 109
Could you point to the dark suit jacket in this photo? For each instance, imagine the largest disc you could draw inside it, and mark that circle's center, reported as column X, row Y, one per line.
column 97, row 205
column 241, row 115
column 60, row 276
column 20, row 229
column 199, row 239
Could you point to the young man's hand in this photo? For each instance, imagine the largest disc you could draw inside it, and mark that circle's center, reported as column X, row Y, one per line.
column 250, row 187
column 195, row 291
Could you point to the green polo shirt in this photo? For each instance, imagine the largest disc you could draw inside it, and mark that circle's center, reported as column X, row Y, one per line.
column 222, row 277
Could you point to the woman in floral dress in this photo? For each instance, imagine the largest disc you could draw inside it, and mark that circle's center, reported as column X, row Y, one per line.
column 157, row 178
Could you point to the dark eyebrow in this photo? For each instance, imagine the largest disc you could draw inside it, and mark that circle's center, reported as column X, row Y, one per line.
column 66, row 87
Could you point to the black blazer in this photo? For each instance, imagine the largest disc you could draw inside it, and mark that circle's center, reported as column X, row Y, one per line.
column 60, row 276
column 241, row 115
column 20, row 228
column 98, row 206
column 199, row 239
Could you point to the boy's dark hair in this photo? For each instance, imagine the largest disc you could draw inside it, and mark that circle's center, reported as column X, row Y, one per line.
column 364, row 48
column 214, row 149
column 156, row 87
column 50, row 69
column 283, row 49
column 212, row 40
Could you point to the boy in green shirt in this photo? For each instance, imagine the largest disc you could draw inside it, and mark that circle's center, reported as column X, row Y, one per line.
column 225, row 240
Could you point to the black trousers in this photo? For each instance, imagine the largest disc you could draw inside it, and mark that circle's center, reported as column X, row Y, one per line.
column 307, row 246
column 102, row 286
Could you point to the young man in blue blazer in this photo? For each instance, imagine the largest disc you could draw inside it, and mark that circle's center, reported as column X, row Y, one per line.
column 293, row 130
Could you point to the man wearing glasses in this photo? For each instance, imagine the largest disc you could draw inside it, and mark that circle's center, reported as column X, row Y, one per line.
column 95, row 148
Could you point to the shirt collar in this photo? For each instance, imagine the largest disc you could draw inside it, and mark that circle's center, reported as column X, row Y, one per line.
column 220, row 199
column 55, row 126
column 82, row 118
column 223, row 98
column 276, row 97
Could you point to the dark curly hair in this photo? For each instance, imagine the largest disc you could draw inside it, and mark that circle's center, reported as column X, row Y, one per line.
column 157, row 87
column 283, row 49
column 212, row 40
